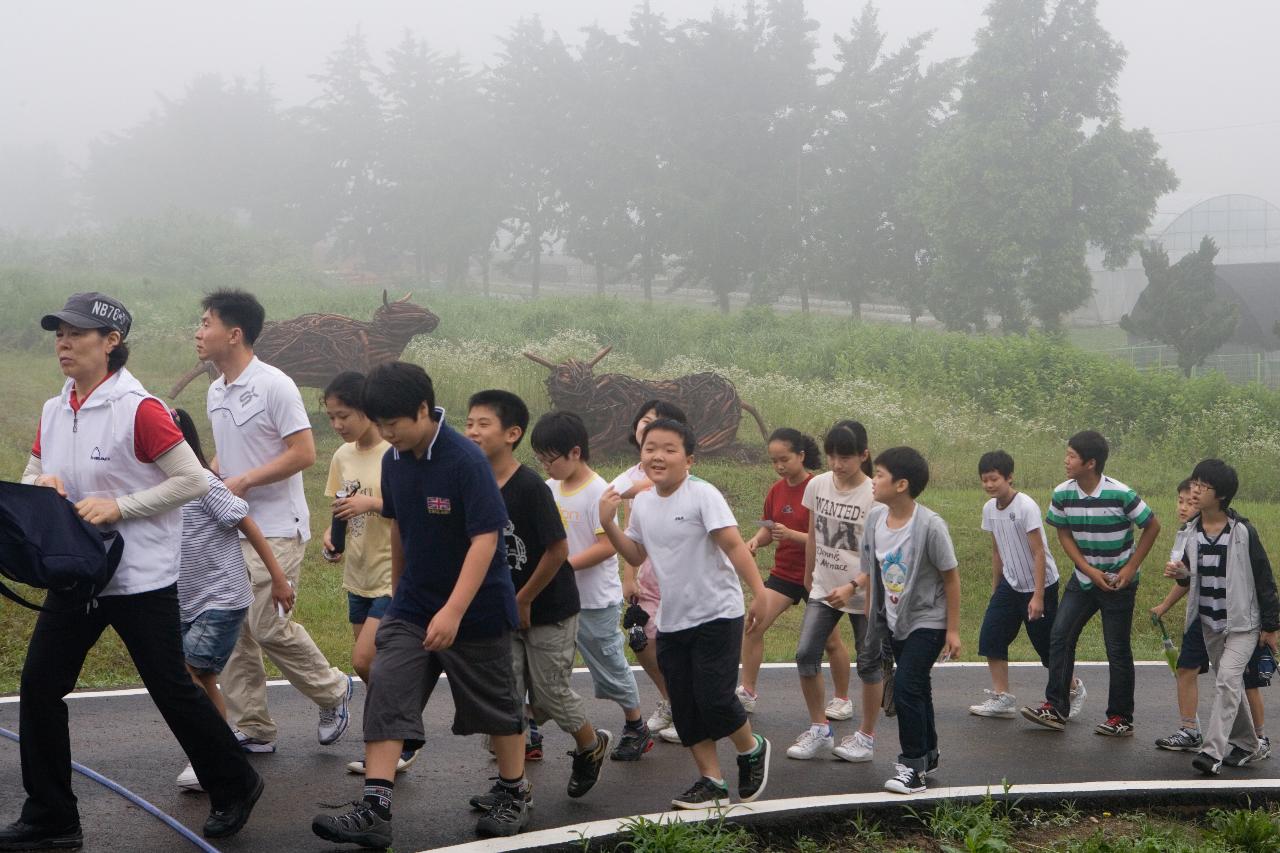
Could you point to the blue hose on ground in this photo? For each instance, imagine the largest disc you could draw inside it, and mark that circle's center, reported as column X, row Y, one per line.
column 110, row 785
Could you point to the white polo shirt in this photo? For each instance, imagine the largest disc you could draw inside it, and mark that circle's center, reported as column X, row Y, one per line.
column 251, row 418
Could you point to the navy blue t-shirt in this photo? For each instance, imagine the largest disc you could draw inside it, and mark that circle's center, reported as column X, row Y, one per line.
column 439, row 502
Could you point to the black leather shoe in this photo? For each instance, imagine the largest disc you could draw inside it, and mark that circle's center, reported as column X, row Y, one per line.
column 230, row 820
column 20, row 835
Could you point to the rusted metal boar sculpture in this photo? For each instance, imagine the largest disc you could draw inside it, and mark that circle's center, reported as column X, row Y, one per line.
column 314, row 348
column 607, row 403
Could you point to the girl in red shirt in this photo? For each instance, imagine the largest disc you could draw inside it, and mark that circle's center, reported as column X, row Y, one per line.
column 785, row 523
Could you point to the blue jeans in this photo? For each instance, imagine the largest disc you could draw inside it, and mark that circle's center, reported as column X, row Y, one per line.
column 913, row 695
column 1074, row 612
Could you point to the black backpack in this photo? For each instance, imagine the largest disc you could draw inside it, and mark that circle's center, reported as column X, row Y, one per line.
column 45, row 544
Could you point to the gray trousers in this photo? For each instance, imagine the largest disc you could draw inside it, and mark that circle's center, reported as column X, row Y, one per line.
column 1231, row 723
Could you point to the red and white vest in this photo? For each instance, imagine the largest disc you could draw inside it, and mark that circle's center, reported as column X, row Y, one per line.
column 93, row 452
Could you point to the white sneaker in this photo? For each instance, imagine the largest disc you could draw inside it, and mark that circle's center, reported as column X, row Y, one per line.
column 406, row 758
column 811, row 744
column 661, row 718
column 748, row 701
column 1077, row 696
column 856, row 748
column 669, row 734
column 839, row 709
column 187, row 780
column 997, row 704
column 333, row 721
column 253, row 744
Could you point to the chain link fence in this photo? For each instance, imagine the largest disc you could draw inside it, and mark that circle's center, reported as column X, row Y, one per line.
column 1242, row 368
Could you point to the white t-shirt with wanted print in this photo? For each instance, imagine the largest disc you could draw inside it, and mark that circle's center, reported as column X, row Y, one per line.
column 600, row 585
column 838, row 518
column 697, row 580
column 1010, row 527
column 251, row 418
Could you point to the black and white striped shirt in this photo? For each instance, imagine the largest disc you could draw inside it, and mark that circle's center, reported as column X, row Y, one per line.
column 1211, row 563
column 213, row 575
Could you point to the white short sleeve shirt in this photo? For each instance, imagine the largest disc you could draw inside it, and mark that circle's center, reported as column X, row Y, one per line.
column 600, row 585
column 1010, row 527
column 251, row 418
column 697, row 580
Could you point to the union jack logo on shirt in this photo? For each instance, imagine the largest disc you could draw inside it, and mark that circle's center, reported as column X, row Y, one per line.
column 439, row 506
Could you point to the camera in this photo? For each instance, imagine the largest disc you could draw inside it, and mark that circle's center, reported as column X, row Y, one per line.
column 634, row 621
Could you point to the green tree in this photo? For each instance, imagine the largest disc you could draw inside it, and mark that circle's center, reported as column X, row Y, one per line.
column 1180, row 306
column 1035, row 166
column 529, row 86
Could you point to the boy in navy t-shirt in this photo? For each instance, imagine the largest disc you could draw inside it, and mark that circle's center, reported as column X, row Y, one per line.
column 453, row 609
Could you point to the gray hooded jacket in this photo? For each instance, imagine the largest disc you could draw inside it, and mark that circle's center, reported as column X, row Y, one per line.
column 924, row 599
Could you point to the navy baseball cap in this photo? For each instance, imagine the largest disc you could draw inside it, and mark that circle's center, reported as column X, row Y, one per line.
column 90, row 311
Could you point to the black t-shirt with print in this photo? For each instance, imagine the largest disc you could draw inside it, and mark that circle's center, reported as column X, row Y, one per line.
column 534, row 523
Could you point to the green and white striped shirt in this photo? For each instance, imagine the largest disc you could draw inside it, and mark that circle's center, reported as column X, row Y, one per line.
column 1101, row 523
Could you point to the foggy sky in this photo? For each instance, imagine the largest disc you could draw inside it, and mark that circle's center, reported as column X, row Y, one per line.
column 1205, row 79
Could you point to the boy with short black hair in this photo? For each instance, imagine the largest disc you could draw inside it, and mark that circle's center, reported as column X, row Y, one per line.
column 914, row 602
column 546, row 594
column 560, row 442
column 686, row 528
column 1024, row 585
column 452, row 611
column 1232, row 594
column 1193, row 657
column 1095, row 515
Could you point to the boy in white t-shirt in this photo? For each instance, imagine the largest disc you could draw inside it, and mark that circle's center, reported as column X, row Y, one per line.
column 1024, row 583
column 559, row 441
column 685, row 527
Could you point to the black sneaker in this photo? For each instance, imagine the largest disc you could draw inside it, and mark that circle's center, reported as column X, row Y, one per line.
column 362, row 826
column 510, row 814
column 753, row 771
column 1045, row 715
column 486, row 801
column 21, row 835
column 905, row 781
column 1207, row 764
column 633, row 745
column 1238, row 757
column 225, row 822
column 587, row 765
column 701, row 794
column 1115, row 726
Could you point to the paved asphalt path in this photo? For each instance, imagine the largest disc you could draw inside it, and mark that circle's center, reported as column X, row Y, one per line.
column 123, row 738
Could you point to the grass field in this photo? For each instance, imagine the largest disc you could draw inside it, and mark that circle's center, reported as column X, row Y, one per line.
column 799, row 382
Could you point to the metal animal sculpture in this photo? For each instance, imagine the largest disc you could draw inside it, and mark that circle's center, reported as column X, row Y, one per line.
column 607, row 403
column 314, row 348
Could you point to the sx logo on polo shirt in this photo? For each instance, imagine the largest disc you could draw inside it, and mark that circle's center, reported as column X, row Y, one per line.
column 247, row 397
column 439, row 506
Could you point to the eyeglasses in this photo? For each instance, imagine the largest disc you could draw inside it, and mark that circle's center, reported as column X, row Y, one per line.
column 547, row 460
column 1201, row 486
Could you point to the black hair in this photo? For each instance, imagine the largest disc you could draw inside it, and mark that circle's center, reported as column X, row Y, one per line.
column 1184, row 486
column 347, row 388
column 189, row 432
column 1090, row 445
column 998, row 461
column 119, row 356
column 1220, row 476
column 906, row 463
column 680, row 428
column 398, row 389
column 237, row 309
column 662, row 409
column 799, row 443
column 510, row 409
column 560, row 433
column 847, row 438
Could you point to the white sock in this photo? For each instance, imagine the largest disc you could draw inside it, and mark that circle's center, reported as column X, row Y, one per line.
column 821, row 730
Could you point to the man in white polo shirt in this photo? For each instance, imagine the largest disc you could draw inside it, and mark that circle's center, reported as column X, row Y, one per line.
column 264, row 443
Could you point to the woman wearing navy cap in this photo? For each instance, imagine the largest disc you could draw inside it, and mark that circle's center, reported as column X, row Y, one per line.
column 113, row 449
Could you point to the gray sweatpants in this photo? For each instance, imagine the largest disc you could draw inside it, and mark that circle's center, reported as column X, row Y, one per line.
column 1231, row 723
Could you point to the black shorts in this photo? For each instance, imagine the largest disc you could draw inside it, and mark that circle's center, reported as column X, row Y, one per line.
column 792, row 590
column 481, row 679
column 1195, row 655
column 700, row 665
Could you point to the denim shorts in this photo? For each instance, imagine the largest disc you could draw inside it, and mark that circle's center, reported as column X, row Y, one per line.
column 208, row 639
column 360, row 607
